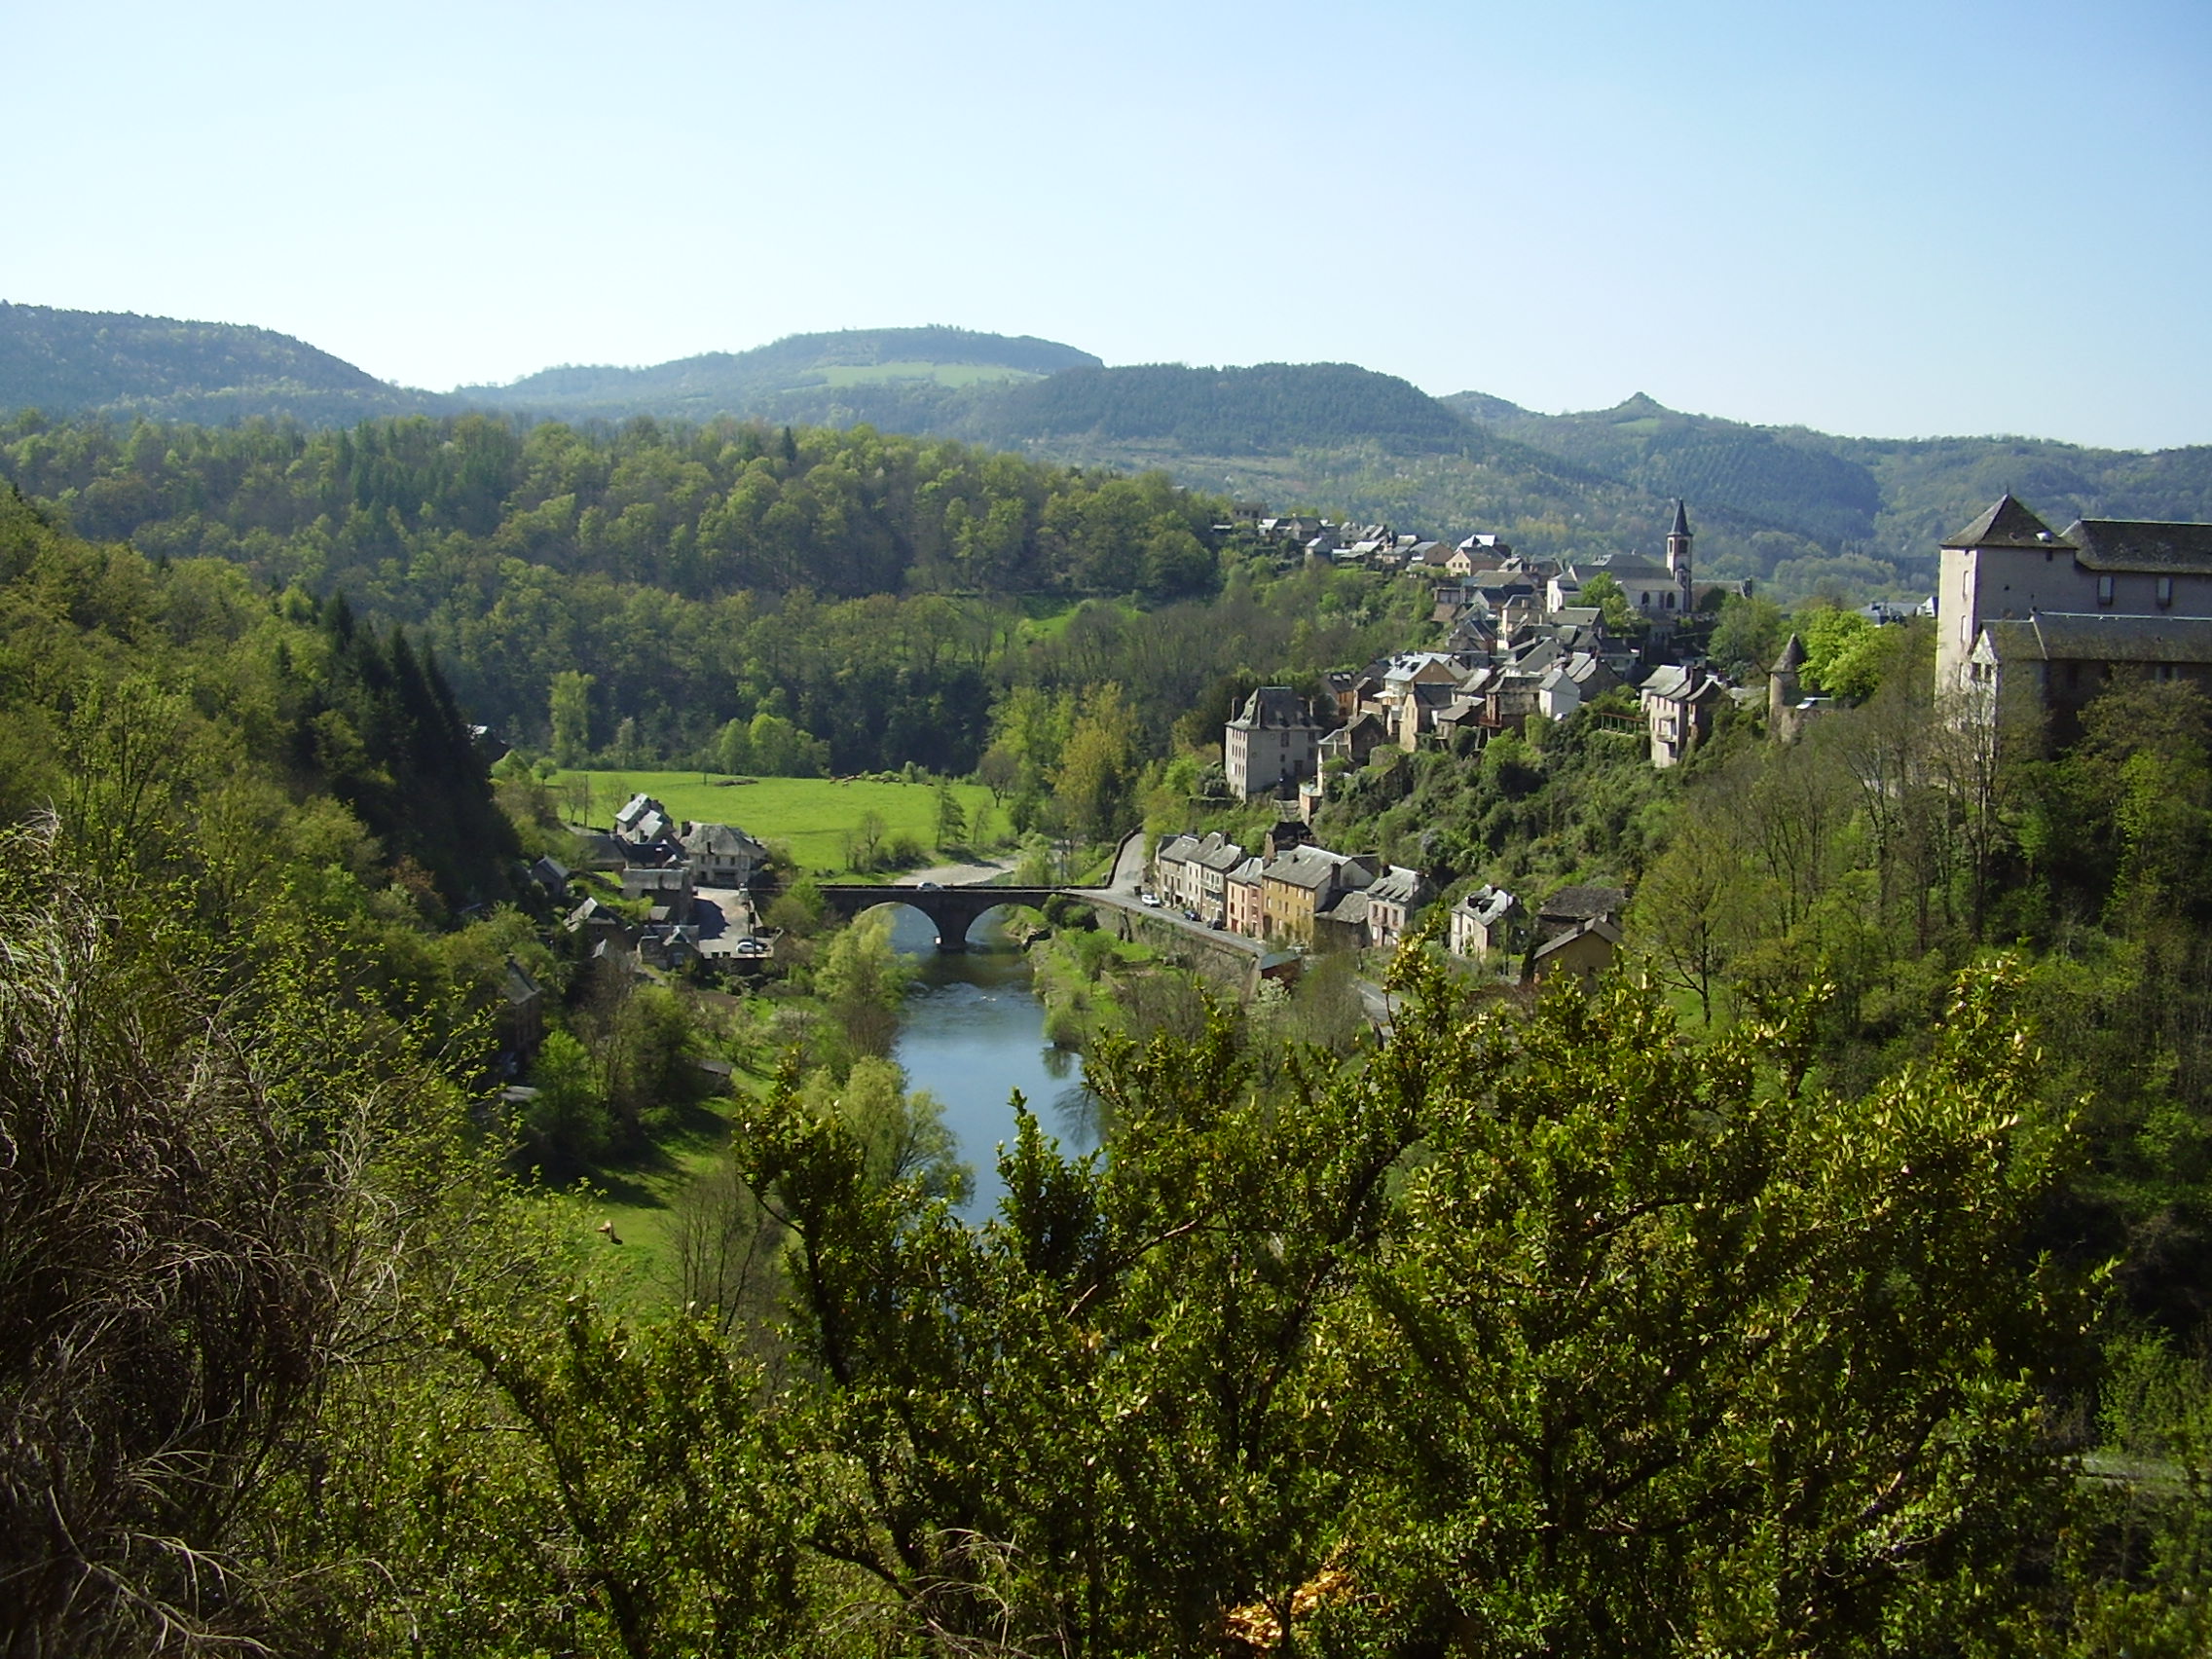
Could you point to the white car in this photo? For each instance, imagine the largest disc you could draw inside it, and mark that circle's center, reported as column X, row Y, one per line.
column 1152, row 898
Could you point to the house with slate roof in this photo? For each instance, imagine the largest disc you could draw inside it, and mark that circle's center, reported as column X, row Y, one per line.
column 721, row 855
column 1581, row 954
column 2032, row 622
column 1273, row 743
column 1680, row 704
column 1301, row 883
column 1481, row 924
column 1393, row 899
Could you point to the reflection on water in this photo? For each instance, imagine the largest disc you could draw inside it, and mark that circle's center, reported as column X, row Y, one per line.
column 973, row 1034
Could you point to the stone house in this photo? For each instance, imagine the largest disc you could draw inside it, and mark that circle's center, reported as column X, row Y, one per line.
column 1301, row 883
column 1678, row 705
column 667, row 888
column 642, row 821
column 1581, row 954
column 2033, row 677
column 1171, row 862
column 1273, row 743
column 1242, row 912
column 2031, row 623
column 2009, row 565
column 1482, row 923
column 1393, row 899
column 721, row 855
column 1216, row 857
column 522, row 1014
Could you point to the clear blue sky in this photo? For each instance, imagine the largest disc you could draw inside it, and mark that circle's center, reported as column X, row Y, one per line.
column 1894, row 219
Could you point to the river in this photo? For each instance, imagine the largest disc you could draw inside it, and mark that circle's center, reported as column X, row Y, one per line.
column 974, row 1032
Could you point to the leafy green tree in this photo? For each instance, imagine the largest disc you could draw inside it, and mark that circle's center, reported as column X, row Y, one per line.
column 572, row 716
column 951, row 820
column 863, row 982
column 568, row 1121
column 1665, row 1345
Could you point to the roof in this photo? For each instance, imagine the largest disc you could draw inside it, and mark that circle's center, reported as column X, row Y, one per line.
column 721, row 840
column 1181, row 849
column 2141, row 545
column 2101, row 636
column 1349, row 907
column 1398, row 885
column 1272, row 706
column 1226, row 856
column 1582, row 900
column 1792, row 657
column 1679, row 684
column 1485, row 903
column 1309, row 865
column 2007, row 524
column 1682, row 524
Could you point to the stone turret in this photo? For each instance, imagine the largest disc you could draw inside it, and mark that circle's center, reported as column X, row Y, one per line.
column 1783, row 693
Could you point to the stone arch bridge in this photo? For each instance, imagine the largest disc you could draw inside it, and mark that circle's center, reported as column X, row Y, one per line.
column 953, row 909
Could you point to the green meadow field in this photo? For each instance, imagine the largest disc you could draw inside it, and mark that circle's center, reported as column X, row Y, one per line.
column 811, row 816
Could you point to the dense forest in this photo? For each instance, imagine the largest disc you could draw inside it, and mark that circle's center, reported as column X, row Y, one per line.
column 869, row 589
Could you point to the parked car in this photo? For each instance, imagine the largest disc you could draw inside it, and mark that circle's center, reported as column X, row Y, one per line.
column 1152, row 898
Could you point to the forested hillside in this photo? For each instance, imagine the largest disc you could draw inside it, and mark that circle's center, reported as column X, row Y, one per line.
column 1876, row 508
column 870, row 590
column 1800, row 512
column 63, row 361
column 805, row 378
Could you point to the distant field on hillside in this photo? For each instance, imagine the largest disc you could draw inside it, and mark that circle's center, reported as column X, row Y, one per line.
column 945, row 374
column 812, row 816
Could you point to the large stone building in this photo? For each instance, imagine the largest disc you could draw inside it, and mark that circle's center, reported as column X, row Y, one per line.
column 2033, row 622
column 1272, row 744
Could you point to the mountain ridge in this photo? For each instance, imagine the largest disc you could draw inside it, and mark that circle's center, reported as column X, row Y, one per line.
column 1798, row 511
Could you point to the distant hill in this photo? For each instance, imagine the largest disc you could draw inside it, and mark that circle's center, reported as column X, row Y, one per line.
column 1798, row 511
column 1871, row 503
column 803, row 377
column 1273, row 407
column 69, row 363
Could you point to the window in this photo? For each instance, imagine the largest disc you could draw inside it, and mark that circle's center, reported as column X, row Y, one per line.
column 2104, row 590
column 2165, row 592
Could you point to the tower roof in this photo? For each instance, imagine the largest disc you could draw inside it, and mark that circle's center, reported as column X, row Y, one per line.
column 2007, row 524
column 1682, row 520
column 1792, row 657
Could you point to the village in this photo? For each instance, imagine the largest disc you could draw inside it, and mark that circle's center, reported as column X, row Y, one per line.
column 1521, row 641
column 2026, row 639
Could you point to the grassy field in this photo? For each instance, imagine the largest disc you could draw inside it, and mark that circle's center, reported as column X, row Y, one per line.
column 812, row 816
column 945, row 374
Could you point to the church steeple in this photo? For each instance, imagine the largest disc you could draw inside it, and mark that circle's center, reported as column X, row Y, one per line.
column 1678, row 553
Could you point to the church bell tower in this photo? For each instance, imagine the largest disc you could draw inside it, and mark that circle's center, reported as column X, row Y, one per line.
column 1678, row 560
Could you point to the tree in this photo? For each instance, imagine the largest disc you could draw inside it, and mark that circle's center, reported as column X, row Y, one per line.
column 1690, row 906
column 1095, row 778
column 951, row 822
column 864, row 982
column 1664, row 1344
column 572, row 716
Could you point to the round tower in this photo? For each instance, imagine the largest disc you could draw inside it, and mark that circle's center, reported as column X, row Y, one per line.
column 1782, row 691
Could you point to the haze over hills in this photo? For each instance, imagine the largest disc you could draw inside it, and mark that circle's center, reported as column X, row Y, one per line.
column 1800, row 511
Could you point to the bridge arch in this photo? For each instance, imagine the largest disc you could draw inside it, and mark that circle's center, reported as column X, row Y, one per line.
column 952, row 910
